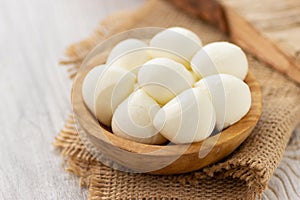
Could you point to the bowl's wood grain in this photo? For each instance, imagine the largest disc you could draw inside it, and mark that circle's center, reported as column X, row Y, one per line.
column 162, row 159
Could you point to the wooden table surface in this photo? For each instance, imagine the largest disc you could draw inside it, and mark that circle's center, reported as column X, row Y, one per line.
column 35, row 98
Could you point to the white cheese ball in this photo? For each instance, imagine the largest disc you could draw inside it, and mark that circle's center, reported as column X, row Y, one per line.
column 222, row 58
column 89, row 86
column 190, row 117
column 230, row 96
column 178, row 40
column 113, row 86
column 124, row 46
column 163, row 79
column 133, row 119
column 128, row 54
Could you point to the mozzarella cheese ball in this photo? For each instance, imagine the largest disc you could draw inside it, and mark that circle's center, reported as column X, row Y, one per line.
column 89, row 86
column 190, row 117
column 113, row 86
column 163, row 79
column 133, row 119
column 147, row 93
column 222, row 58
column 124, row 46
column 178, row 40
column 230, row 96
column 128, row 54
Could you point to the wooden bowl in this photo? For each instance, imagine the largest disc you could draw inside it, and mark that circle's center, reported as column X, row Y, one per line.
column 165, row 159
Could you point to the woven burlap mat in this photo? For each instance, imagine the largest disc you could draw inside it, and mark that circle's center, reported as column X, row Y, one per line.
column 242, row 175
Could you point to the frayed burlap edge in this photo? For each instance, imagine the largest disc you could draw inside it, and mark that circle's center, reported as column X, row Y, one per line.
column 80, row 162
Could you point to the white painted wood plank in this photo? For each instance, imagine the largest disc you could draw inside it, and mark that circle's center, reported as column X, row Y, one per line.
column 35, row 98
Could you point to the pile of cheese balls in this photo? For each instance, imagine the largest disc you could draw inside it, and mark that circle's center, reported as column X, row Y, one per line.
column 169, row 89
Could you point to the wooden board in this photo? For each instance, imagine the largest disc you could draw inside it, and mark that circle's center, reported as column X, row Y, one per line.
column 269, row 29
column 274, row 19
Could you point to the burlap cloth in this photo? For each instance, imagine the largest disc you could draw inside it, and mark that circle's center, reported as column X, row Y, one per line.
column 242, row 175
